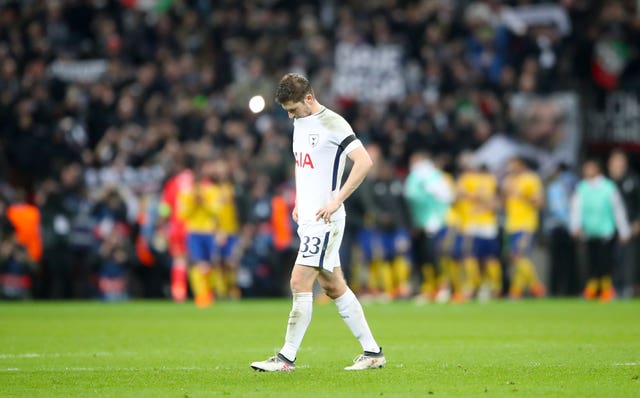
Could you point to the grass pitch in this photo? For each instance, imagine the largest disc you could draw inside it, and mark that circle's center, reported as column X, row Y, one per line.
column 549, row 348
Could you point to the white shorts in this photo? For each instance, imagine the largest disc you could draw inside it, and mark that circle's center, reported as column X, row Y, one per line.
column 320, row 244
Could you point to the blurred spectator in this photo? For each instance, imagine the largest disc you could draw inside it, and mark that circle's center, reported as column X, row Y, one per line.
column 16, row 267
column 628, row 184
column 598, row 216
column 562, row 250
column 523, row 194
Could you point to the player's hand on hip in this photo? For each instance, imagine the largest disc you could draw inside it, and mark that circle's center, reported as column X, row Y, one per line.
column 294, row 213
column 325, row 212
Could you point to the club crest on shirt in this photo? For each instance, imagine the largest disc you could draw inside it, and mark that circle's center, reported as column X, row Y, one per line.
column 313, row 140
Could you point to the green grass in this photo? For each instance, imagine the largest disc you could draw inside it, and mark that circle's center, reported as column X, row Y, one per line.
column 563, row 348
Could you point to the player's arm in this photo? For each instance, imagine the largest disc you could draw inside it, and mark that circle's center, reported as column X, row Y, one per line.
column 537, row 199
column 362, row 163
column 620, row 216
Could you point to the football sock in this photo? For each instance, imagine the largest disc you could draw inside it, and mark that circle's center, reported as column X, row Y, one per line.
column 179, row 280
column 401, row 273
column 530, row 275
column 387, row 277
column 217, row 281
column 494, row 274
column 444, row 277
column 375, row 276
column 518, row 280
column 198, row 280
column 351, row 312
column 454, row 272
column 605, row 283
column 428, row 280
column 299, row 319
column 472, row 270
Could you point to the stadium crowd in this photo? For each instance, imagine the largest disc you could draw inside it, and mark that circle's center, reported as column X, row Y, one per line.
column 119, row 118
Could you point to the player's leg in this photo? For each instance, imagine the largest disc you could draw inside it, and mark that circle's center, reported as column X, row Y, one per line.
column 455, row 267
column 429, row 270
column 351, row 311
column 493, row 269
column 302, row 279
column 591, row 289
column 177, row 237
column 532, row 279
column 607, row 291
column 386, row 252
column 200, row 270
column 471, row 265
column 365, row 240
column 230, row 266
column 401, row 266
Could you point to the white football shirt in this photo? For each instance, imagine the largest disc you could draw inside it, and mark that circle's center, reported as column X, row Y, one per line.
column 320, row 144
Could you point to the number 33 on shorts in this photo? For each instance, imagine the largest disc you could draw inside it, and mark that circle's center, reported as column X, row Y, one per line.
column 320, row 244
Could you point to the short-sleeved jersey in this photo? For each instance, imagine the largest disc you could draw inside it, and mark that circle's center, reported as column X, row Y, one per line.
column 479, row 216
column 320, row 144
column 520, row 212
column 200, row 217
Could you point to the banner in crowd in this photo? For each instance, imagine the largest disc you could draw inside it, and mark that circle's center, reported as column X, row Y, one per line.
column 617, row 123
column 547, row 133
column 369, row 72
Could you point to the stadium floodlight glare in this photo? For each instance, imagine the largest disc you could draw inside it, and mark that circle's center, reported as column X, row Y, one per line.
column 256, row 104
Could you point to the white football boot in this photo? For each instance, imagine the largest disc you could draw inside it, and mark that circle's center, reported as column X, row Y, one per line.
column 277, row 363
column 368, row 360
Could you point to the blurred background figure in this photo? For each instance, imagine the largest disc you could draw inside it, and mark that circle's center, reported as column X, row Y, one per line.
column 386, row 241
column 563, row 259
column 199, row 207
column 17, row 266
column 598, row 217
column 429, row 196
column 228, row 231
column 175, row 227
column 523, row 195
column 625, row 262
column 479, row 201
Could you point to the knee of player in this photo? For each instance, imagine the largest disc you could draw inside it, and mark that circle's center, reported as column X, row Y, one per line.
column 333, row 288
column 299, row 285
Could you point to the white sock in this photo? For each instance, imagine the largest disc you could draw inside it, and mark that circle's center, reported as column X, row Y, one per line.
column 350, row 310
column 299, row 319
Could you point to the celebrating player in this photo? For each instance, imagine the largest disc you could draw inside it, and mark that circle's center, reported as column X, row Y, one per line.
column 478, row 189
column 322, row 140
column 523, row 196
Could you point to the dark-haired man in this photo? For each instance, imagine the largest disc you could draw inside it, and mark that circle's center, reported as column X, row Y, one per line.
column 322, row 140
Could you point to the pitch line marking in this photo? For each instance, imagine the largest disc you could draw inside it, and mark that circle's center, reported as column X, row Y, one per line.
column 56, row 355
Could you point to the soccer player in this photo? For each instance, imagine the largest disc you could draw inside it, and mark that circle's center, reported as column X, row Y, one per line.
column 390, row 237
column 322, row 140
column 597, row 212
column 429, row 195
column 199, row 208
column 479, row 190
column 227, row 237
column 524, row 196
column 177, row 233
